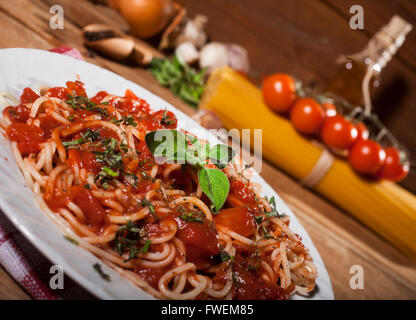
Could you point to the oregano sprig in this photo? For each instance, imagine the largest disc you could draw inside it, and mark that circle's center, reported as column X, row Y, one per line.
column 173, row 146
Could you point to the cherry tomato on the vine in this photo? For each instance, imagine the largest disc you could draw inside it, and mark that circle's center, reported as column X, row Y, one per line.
column 337, row 132
column 393, row 168
column 279, row 92
column 362, row 131
column 307, row 115
column 330, row 109
column 366, row 156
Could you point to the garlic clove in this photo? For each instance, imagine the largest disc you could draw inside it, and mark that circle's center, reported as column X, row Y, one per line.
column 187, row 53
column 208, row 119
column 213, row 55
column 238, row 58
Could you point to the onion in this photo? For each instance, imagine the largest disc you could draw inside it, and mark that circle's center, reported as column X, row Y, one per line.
column 146, row 18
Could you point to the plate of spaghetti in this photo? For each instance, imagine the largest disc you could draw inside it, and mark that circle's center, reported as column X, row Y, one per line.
column 133, row 198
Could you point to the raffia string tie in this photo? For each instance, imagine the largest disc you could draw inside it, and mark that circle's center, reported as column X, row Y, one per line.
column 320, row 169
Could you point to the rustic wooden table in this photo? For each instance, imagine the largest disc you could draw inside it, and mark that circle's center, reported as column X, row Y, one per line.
column 301, row 37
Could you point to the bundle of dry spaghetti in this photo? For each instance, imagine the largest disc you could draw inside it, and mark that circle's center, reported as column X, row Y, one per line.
column 384, row 206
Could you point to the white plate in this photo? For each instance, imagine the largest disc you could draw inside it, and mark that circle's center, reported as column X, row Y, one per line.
column 20, row 68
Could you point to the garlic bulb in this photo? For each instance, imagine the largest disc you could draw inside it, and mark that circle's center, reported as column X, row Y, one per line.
column 193, row 31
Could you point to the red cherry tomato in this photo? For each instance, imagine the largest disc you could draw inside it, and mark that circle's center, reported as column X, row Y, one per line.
column 362, row 131
column 307, row 115
column 337, row 132
column 330, row 109
column 366, row 156
column 393, row 168
column 279, row 92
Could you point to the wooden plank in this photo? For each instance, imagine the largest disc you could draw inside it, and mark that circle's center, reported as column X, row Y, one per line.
column 9, row 289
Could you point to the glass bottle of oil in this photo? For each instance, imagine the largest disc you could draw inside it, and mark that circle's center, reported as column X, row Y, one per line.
column 347, row 83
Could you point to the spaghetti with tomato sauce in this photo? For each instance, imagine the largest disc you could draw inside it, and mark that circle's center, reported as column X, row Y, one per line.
column 88, row 163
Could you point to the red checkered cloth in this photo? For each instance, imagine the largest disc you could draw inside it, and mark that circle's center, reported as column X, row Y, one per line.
column 24, row 262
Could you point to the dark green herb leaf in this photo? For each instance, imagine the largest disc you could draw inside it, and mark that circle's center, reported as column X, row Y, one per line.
column 215, row 185
column 164, row 143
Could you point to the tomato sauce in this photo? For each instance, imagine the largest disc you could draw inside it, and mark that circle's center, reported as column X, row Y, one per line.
column 91, row 207
column 77, row 87
column 151, row 275
column 248, row 285
column 237, row 219
column 28, row 96
column 19, row 113
column 48, row 124
column 85, row 160
column 200, row 240
column 242, row 192
column 59, row 92
column 28, row 137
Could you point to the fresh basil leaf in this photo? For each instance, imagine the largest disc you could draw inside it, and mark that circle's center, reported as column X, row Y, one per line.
column 215, row 185
column 167, row 144
column 221, row 155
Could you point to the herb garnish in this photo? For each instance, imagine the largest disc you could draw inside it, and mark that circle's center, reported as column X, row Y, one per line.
column 274, row 212
column 97, row 267
column 127, row 239
column 83, row 103
column 147, row 203
column 166, row 119
column 183, row 80
column 89, row 135
column 173, row 146
column 223, row 256
column 235, row 279
column 191, row 217
column 72, row 240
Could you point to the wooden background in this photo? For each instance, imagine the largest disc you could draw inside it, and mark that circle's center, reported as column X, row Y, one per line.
column 302, row 37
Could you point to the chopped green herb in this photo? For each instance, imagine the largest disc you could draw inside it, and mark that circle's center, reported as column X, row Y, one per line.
column 110, row 172
column 224, row 256
column 97, row 267
column 83, row 103
column 72, row 240
column 258, row 219
column 127, row 238
column 87, row 186
column 73, row 142
column 191, row 217
column 235, row 279
column 146, row 246
column 147, row 203
column 129, row 121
